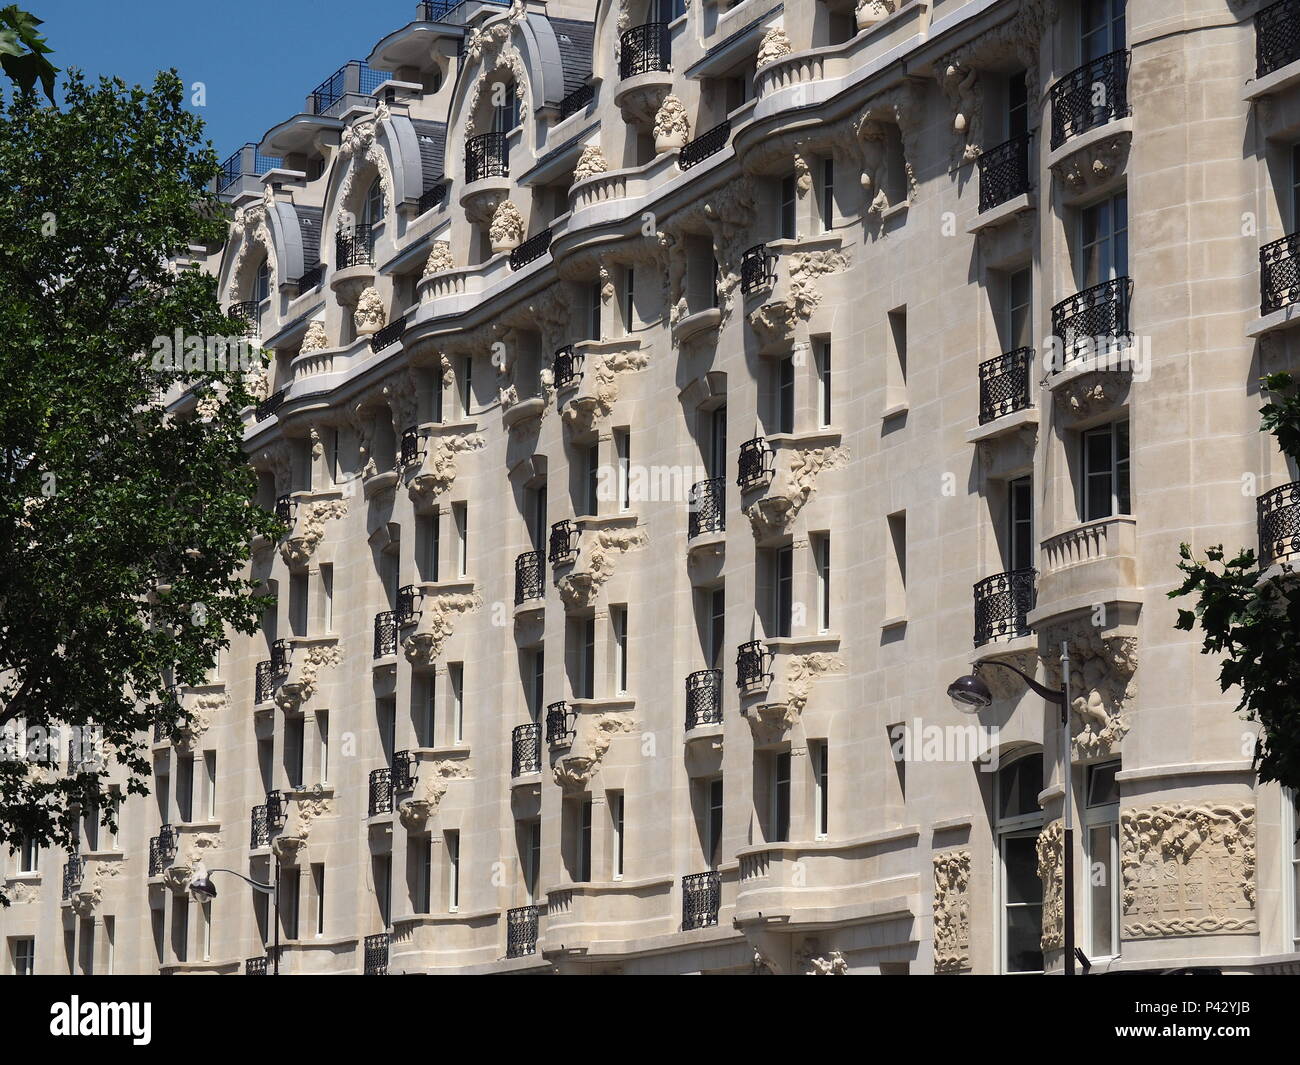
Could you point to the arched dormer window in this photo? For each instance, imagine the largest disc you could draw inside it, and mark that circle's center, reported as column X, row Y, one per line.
column 262, row 284
column 372, row 211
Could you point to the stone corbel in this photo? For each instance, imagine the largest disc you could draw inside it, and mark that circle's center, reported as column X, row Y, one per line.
column 438, row 613
column 594, row 564
column 793, row 485
column 306, row 663
column 438, row 468
column 595, row 732
column 1102, row 683
column 309, row 529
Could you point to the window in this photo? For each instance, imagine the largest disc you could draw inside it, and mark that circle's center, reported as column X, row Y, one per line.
column 262, row 284
column 205, row 915
column 318, row 889
column 1017, row 324
column 1106, row 472
column 29, row 856
column 115, row 814
column 185, row 789
column 460, row 516
column 779, row 812
column 822, row 353
column 1101, row 844
column 327, row 597
column 1020, row 523
column 821, row 545
column 293, row 749
column 335, row 458
column 290, row 882
column 1017, row 116
column 668, row 10
column 593, row 302
column 456, row 678
column 783, row 591
column 424, row 691
column 788, row 205
column 91, row 833
column 505, row 114
column 427, row 535
column 587, row 659
column 23, row 950
column 1101, row 28
column 896, row 567
column 826, row 193
column 110, row 945
column 298, row 604
column 383, row 867
column 422, row 856
column 591, row 479
column 896, row 362
column 537, row 693
column 785, row 396
column 323, row 745
column 372, row 211
column 451, row 840
column 210, row 782
column 618, row 621
column 532, row 858
column 1103, row 241
column 467, row 386
column 717, row 442
column 713, row 836
column 821, row 763
column 180, row 929
column 584, row 843
column 616, row 826
column 623, row 451
column 1019, row 821
column 717, row 635
column 629, row 300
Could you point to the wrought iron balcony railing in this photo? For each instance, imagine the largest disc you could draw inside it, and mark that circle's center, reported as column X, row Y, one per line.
column 235, row 166
column 1004, row 384
column 157, row 860
column 432, row 197
column 754, row 464
column 530, row 577
column 701, row 900
column 276, row 811
column 708, row 143
column 563, row 547
column 645, row 48
column 1277, row 36
column 1093, row 322
column 246, row 311
column 521, row 931
column 703, row 698
column 753, row 665
column 259, row 828
column 757, row 269
column 533, row 248
column 270, row 405
column 265, row 683
column 284, row 508
column 381, row 791
column 405, row 771
column 354, row 246
column 561, row 723
column 1004, row 172
column 311, row 277
column 577, row 100
column 412, row 446
column 385, row 633
column 526, row 749
column 255, row 966
column 436, row 10
column 72, row 873
column 1279, row 524
column 708, row 507
column 390, row 334
column 376, row 955
column 280, row 657
column 1279, row 277
column 1002, row 605
column 1092, row 95
column 567, row 366
column 408, row 613
column 487, row 155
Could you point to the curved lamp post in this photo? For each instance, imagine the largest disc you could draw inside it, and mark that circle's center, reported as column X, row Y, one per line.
column 970, row 695
column 204, row 890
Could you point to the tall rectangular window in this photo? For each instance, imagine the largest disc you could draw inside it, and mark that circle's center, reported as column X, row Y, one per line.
column 537, row 686
column 785, row 396
column 717, row 443
column 789, row 201
column 293, row 749
column 820, row 751
column 115, row 815
column 783, row 591
column 452, row 842
column 1017, row 116
column 467, row 385
column 584, row 843
column 29, row 856
column 383, row 867
column 822, row 348
column 110, row 945
column 588, row 658
column 533, row 859
column 618, row 622
column 323, row 745
column 210, row 782
column 780, row 797
column 593, row 301
column 298, row 604
column 623, row 451
column 1101, row 823
column 1103, row 241
column 717, row 633
column 181, row 929
column 821, row 545
column 1020, row 523
column 185, row 789
column 826, row 193
column 629, row 300
column 1101, row 28
column 335, row 458
column 318, row 889
column 616, row 827
column 422, row 856
column 205, row 915
column 327, row 597
column 456, row 679
column 290, row 884
column 713, row 839
column 427, row 528
column 591, row 479
column 460, row 516
column 1106, row 471
column 424, row 692
column 1018, row 316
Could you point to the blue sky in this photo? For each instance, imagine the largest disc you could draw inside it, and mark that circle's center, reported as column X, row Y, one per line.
column 258, row 60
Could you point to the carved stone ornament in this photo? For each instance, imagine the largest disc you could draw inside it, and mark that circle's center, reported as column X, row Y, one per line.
column 287, row 848
column 875, row 165
column 438, row 468
column 594, row 564
column 812, row 962
column 1094, row 164
column 1092, row 393
column 962, row 87
column 770, row 721
column 438, row 614
column 300, row 685
column 672, row 128
column 507, row 229
column 952, row 911
column 1051, row 857
column 201, row 710
column 598, row 391
column 1102, row 684
column 369, row 315
column 309, row 529
column 869, row 12
column 1189, row 870
column 792, row 487
column 590, row 163
column 594, row 734
column 314, row 339
column 775, row 45
column 435, row 775
column 304, row 809
column 489, row 45
column 439, row 260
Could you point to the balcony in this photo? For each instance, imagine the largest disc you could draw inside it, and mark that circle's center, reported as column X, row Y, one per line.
column 1004, row 384
column 412, row 451
column 354, row 246
column 405, row 771
column 526, row 750
column 576, row 101
column 385, row 633
column 486, row 156
column 644, row 49
column 381, row 791
column 259, row 828
column 280, row 657
column 246, row 162
column 708, row 507
column 349, row 86
column 311, row 278
column 1004, row 172
column 1091, row 96
column 1279, row 525
column 255, row 966
column 1279, row 279
column 269, row 406
column 703, row 698
column 561, row 724
column 753, row 665
column 708, row 143
column 389, row 334
column 1002, row 606
column 530, row 577
column 408, row 613
column 563, row 547
column 1093, row 323
column 284, row 509
column 246, row 311
column 521, row 932
column 275, row 809
column 531, row 249
column 432, row 197
column 265, row 682
column 701, row 900
column 162, row 850
column 1277, row 37
column 73, row 869
column 567, row 367
column 755, row 463
column 375, row 955
column 757, row 269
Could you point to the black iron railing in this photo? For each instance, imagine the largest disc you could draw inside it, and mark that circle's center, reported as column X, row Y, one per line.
column 1004, row 172
column 1279, row 275
column 284, row 509
column 1092, row 95
column 72, row 872
column 1002, row 605
column 405, row 771
column 157, row 860
column 530, row 577
column 270, row 405
column 561, row 724
column 255, row 966
column 708, row 143
column 1277, row 36
column 645, row 48
column 245, row 311
column 564, row 543
column 407, row 611
column 704, row 698
column 754, row 464
column 1004, row 384
column 533, row 248
column 311, row 277
column 376, row 955
column 567, row 366
column 280, row 657
column 265, row 683
column 1279, row 524
column 411, row 446
column 577, row 100
column 232, row 168
column 354, row 246
column 276, row 810
column 385, row 633
column 259, row 828
column 381, row 791
column 708, row 503
column 757, row 269
column 487, row 155
column 1093, row 322
column 753, row 665
column 432, row 197
column 390, row 334
column 526, row 749
column 701, row 900
column 436, row 10
column 521, row 931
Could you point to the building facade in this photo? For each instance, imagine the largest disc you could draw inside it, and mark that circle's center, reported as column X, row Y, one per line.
column 668, row 400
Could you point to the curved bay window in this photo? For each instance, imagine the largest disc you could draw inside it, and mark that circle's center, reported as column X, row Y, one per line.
column 1019, row 821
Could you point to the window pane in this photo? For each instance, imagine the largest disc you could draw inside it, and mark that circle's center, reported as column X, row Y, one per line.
column 1101, row 889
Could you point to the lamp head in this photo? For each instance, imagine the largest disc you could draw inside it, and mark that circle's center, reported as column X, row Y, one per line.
column 202, row 887
column 969, row 694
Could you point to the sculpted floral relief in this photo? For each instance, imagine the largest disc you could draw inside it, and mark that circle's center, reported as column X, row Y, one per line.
column 300, row 685
column 792, row 487
column 438, row 614
column 369, row 315
column 1051, row 857
column 599, row 388
column 314, row 339
column 434, row 777
column 309, row 528
column 507, row 228
column 439, row 260
column 672, row 127
column 1102, row 684
column 438, row 470
column 775, row 45
column 590, row 163
column 594, row 734
column 952, row 911
column 594, row 564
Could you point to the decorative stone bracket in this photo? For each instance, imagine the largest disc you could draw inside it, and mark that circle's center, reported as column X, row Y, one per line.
column 793, row 484
column 594, row 564
column 439, row 609
column 438, row 469
column 599, row 388
column 788, row 696
column 435, row 776
column 1102, row 683
column 308, row 529
column 594, row 733
column 307, row 661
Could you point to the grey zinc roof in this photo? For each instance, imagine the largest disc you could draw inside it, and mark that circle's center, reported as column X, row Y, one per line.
column 309, row 220
column 432, row 137
column 574, row 37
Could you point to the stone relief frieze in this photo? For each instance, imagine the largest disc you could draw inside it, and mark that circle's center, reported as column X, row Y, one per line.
column 1051, row 858
column 952, row 911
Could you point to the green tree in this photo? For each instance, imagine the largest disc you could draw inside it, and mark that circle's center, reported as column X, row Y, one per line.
column 23, row 51
column 1254, row 621
column 124, row 537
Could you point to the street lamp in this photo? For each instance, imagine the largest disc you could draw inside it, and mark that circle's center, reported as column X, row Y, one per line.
column 204, row 890
column 970, row 695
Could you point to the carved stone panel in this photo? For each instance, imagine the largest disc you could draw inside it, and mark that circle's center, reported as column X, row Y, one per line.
column 952, row 911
